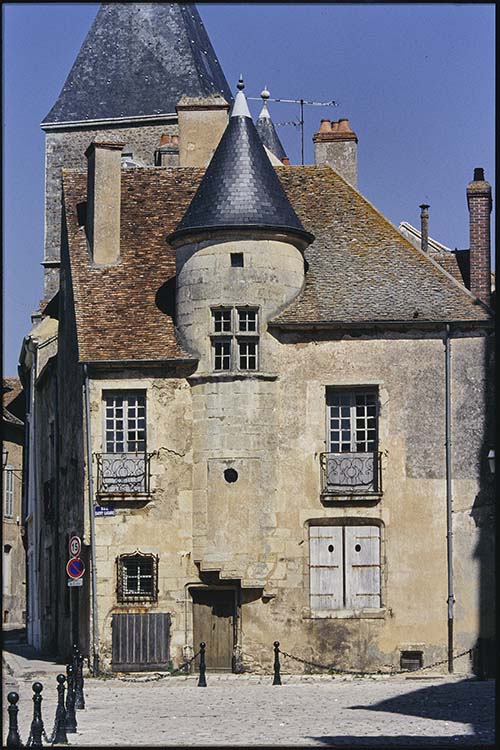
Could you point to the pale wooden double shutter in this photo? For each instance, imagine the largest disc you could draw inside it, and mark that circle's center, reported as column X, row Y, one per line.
column 344, row 567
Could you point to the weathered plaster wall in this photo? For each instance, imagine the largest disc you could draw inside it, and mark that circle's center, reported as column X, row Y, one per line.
column 14, row 579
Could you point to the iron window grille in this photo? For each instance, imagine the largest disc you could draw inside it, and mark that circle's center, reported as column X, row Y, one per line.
column 352, row 463
column 235, row 339
column 137, row 577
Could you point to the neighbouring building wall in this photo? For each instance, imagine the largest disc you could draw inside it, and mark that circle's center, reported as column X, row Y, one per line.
column 14, row 555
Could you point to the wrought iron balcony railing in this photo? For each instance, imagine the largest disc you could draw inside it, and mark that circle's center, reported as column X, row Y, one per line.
column 123, row 473
column 351, row 473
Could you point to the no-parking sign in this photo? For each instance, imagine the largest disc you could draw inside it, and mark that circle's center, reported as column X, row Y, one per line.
column 75, row 568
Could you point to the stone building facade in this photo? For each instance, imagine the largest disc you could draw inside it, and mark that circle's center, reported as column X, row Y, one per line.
column 14, row 560
column 273, row 419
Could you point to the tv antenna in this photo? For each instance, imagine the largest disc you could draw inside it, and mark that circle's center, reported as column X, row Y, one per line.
column 300, row 122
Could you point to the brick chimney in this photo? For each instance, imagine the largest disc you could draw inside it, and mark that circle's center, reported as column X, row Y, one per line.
column 479, row 203
column 335, row 144
column 102, row 222
column 201, row 125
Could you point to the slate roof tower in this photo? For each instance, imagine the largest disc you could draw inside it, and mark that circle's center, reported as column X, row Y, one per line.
column 137, row 61
column 267, row 131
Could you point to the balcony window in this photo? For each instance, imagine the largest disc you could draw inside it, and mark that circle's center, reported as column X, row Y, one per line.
column 124, row 466
column 351, row 463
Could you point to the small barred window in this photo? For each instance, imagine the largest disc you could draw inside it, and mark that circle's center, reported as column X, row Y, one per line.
column 137, row 577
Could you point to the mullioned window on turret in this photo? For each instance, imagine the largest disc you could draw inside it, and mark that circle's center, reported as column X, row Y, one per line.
column 235, row 339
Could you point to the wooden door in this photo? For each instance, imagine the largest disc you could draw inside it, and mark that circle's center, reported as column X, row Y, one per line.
column 213, row 623
column 141, row 642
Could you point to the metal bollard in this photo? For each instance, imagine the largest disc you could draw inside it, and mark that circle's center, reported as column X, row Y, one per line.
column 13, row 738
column 37, row 723
column 70, row 722
column 60, row 736
column 202, row 682
column 79, row 697
column 277, row 676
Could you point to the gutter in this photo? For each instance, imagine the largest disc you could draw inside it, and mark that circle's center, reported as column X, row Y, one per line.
column 95, row 631
column 449, row 498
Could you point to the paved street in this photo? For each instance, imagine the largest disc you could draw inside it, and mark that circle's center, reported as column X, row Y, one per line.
column 247, row 710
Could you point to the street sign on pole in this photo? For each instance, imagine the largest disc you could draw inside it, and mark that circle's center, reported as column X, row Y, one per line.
column 75, row 582
column 75, row 568
column 75, row 546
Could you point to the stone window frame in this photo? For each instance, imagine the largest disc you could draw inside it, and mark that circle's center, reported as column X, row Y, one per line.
column 234, row 325
column 150, row 563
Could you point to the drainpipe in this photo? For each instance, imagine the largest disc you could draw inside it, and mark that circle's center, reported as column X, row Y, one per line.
column 449, row 511
column 95, row 631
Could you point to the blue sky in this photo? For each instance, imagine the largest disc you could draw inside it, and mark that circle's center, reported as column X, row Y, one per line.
column 416, row 82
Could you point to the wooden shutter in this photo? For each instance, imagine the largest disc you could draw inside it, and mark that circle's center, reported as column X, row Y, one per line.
column 325, row 565
column 140, row 641
column 362, row 566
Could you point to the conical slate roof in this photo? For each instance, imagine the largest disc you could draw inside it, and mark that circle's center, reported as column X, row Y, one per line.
column 240, row 188
column 267, row 131
column 137, row 60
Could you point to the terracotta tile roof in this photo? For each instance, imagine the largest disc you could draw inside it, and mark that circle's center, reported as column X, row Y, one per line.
column 12, row 400
column 116, row 312
column 360, row 267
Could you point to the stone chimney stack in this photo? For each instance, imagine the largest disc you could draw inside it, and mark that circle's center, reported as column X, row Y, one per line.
column 479, row 203
column 424, row 226
column 103, row 200
column 168, row 153
column 202, row 121
column 335, row 144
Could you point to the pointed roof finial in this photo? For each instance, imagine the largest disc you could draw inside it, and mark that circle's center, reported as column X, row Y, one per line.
column 265, row 96
column 240, row 106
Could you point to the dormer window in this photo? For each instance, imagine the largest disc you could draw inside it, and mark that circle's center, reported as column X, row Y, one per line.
column 235, row 339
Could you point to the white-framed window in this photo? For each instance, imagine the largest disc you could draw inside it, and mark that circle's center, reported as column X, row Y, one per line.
column 8, row 491
column 235, row 338
column 125, row 422
column 344, row 567
column 137, row 577
column 352, row 420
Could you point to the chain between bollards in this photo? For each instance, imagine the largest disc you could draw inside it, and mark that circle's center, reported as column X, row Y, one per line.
column 202, row 682
column 70, row 722
column 277, row 676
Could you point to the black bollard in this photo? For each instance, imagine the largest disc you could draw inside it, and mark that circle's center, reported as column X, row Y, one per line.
column 277, row 676
column 70, row 722
column 60, row 733
column 37, row 723
column 79, row 698
column 13, row 738
column 202, row 682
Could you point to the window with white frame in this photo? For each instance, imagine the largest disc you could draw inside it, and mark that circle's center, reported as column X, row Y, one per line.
column 137, row 577
column 235, row 338
column 8, row 491
column 352, row 420
column 344, row 568
column 125, row 422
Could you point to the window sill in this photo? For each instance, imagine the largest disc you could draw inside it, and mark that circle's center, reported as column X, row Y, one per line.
column 339, row 496
column 222, row 375
column 346, row 614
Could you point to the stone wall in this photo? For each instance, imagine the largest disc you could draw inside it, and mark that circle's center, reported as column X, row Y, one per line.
column 13, row 571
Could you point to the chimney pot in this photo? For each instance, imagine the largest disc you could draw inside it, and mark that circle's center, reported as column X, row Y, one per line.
column 164, row 139
column 325, row 126
column 479, row 174
column 335, row 126
column 286, row 161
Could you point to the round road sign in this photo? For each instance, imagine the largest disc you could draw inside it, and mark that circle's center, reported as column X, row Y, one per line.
column 75, row 546
column 75, row 567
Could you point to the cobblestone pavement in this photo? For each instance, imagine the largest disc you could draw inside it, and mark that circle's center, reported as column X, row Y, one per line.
column 233, row 710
